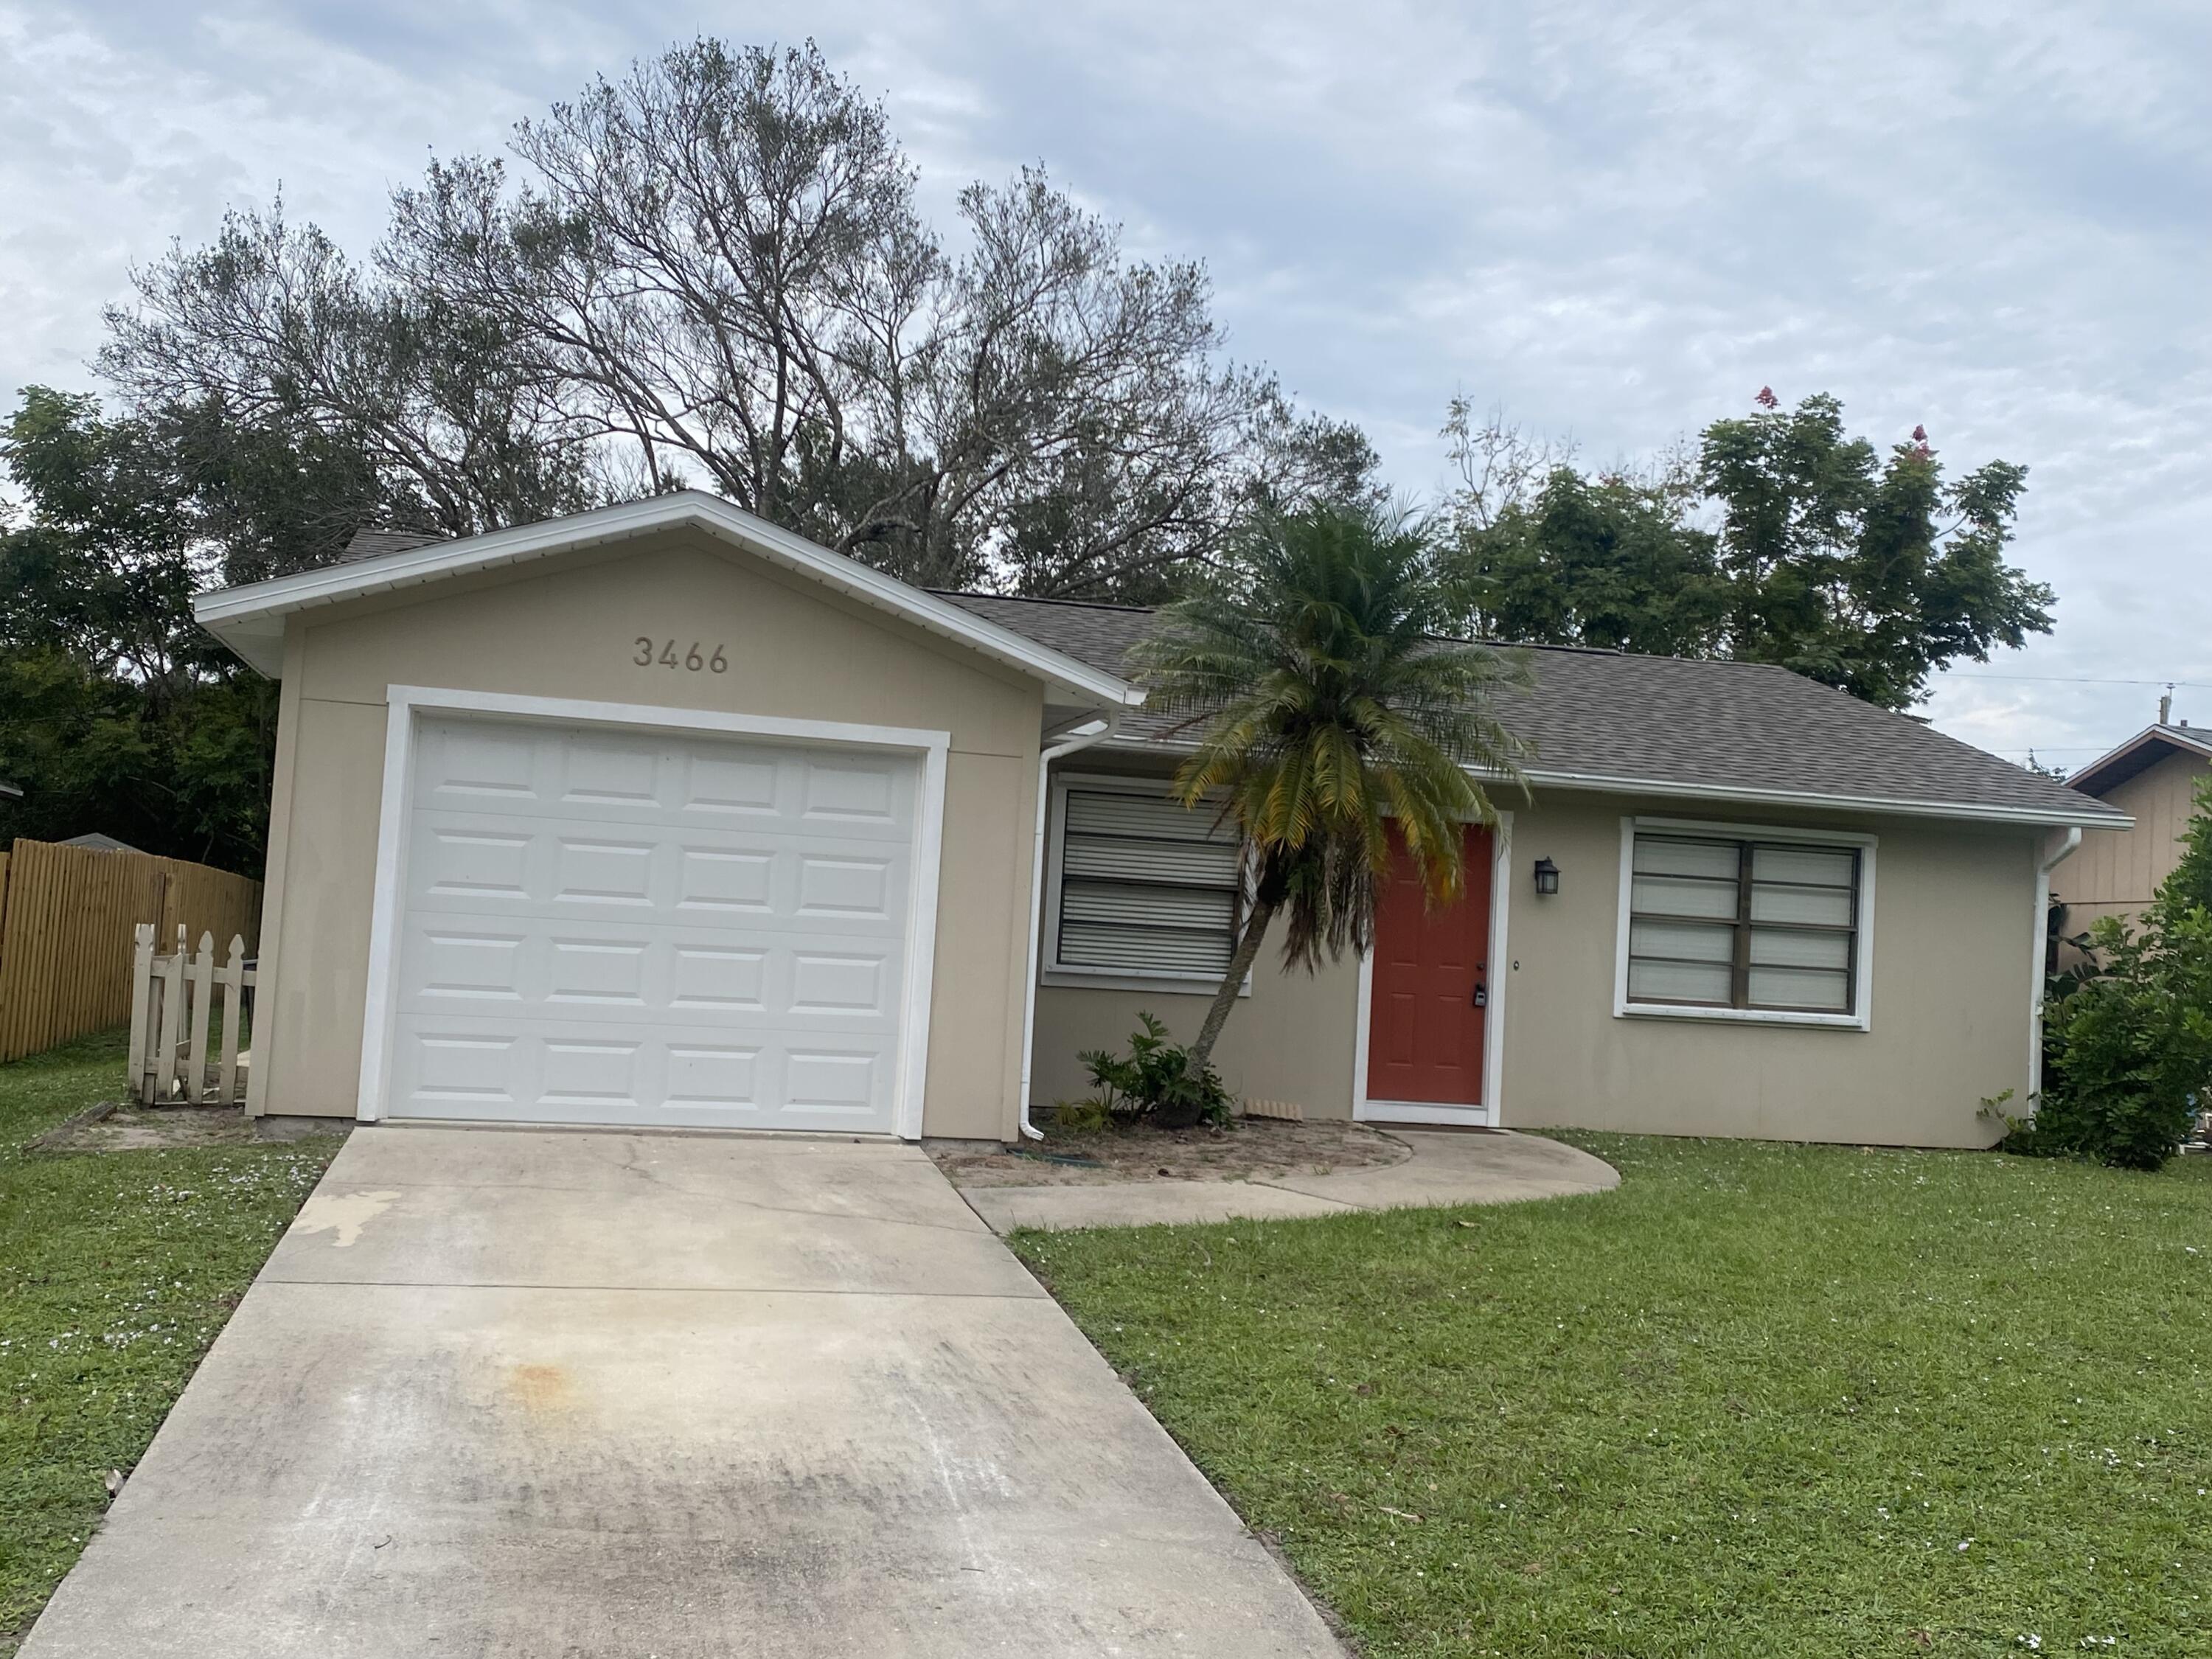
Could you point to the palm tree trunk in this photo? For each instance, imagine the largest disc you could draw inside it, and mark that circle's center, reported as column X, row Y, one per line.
column 1248, row 952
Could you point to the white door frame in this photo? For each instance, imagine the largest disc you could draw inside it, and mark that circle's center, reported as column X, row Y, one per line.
column 406, row 703
column 1489, row 1112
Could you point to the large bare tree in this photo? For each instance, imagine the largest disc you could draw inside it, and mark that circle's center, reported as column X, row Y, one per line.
column 272, row 330
column 713, row 272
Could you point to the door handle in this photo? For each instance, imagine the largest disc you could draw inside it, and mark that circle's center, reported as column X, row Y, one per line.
column 1481, row 997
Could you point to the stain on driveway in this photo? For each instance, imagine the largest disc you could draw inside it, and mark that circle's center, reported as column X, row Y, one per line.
column 341, row 1214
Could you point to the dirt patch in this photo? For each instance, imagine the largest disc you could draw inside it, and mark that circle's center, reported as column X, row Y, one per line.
column 1251, row 1149
column 136, row 1128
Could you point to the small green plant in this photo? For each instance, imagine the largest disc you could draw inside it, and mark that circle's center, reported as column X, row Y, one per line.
column 1085, row 1116
column 1156, row 1081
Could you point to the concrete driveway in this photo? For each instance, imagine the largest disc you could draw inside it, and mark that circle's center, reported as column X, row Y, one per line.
column 513, row 1393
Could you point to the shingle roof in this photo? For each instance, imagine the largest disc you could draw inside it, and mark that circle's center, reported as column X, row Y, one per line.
column 369, row 543
column 1603, row 716
column 98, row 842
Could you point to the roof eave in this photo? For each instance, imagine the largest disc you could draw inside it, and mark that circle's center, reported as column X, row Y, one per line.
column 1890, row 805
column 2091, row 778
column 250, row 619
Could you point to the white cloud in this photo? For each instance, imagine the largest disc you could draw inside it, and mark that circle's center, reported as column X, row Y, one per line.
column 1614, row 219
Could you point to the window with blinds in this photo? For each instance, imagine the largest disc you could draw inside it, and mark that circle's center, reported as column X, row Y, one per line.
column 1743, row 924
column 1147, row 885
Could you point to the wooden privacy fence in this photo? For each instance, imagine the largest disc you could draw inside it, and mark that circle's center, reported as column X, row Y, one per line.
column 172, row 1000
column 67, row 917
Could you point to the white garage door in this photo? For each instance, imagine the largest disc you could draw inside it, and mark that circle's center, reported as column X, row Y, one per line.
column 604, row 927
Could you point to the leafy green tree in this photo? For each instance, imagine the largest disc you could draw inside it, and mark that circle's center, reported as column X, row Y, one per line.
column 267, row 499
column 1328, row 710
column 1597, row 561
column 103, row 571
column 1862, row 571
column 1548, row 555
column 2128, row 1049
column 118, row 713
column 1780, row 540
column 250, row 500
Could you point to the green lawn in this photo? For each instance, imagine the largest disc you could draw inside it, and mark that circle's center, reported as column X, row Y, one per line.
column 1761, row 1400
column 115, row 1271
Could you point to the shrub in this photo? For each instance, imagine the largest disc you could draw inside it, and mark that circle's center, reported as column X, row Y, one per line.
column 1157, row 1080
column 2127, row 1060
column 1084, row 1116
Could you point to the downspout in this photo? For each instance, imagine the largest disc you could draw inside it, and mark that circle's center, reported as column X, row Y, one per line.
column 2056, row 850
column 1081, row 738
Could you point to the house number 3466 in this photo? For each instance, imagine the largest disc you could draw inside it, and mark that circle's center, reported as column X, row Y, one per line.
column 665, row 654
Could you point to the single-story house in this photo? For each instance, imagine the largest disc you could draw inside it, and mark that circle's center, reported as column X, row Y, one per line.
column 661, row 815
column 2154, row 778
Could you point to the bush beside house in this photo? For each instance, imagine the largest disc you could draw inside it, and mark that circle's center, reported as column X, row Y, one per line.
column 2128, row 1044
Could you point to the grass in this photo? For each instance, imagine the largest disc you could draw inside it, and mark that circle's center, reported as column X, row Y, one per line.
column 1761, row 1400
column 115, row 1271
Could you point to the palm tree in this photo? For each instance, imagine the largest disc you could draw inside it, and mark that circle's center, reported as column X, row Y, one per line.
column 1329, row 704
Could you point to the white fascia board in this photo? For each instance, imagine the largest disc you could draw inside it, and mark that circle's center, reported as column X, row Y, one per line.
column 1744, row 795
column 1968, row 811
column 2181, row 742
column 250, row 619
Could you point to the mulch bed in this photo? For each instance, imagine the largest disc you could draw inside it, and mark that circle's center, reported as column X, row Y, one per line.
column 1249, row 1149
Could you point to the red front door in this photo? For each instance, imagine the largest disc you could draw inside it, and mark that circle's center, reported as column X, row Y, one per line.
column 1431, row 982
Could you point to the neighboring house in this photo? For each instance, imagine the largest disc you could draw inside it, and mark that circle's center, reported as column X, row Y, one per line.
column 95, row 841
column 2154, row 778
column 661, row 815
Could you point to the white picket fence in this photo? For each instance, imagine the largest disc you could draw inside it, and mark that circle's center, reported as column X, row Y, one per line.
column 172, row 1006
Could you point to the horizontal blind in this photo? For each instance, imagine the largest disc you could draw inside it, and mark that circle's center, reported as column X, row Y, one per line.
column 1803, row 927
column 1743, row 924
column 1684, row 897
column 1147, row 885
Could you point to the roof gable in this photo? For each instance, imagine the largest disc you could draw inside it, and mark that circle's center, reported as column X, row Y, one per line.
column 2139, row 754
column 250, row 619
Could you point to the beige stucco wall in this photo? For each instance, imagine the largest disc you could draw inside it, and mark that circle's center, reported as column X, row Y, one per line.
column 2116, row 872
column 567, row 628
column 1290, row 1040
column 1952, row 947
column 1953, row 933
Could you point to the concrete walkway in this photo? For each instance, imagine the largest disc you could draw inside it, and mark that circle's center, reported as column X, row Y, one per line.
column 1449, row 1166
column 514, row 1393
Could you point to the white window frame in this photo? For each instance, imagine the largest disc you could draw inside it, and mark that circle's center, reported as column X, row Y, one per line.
column 1861, row 1018
column 1054, row 971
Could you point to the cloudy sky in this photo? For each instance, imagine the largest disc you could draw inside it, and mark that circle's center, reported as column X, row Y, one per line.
column 1614, row 221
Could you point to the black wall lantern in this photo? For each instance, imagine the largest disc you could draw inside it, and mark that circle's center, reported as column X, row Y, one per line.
column 1547, row 877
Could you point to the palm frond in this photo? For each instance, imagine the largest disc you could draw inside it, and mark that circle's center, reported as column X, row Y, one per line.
column 1329, row 704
